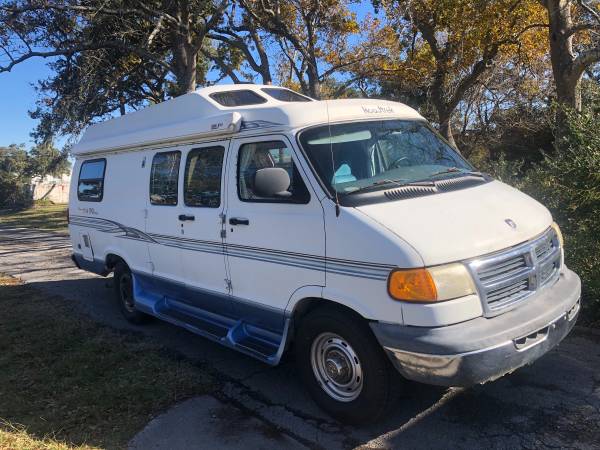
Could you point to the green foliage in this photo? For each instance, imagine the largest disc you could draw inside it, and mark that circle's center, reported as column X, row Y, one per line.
column 14, row 184
column 45, row 159
column 568, row 183
column 17, row 167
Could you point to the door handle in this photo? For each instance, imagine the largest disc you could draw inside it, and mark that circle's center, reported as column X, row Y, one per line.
column 238, row 221
column 184, row 217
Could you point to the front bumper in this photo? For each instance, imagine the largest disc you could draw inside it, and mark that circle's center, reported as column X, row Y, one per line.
column 484, row 349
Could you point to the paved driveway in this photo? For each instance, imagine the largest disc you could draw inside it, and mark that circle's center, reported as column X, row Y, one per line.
column 554, row 403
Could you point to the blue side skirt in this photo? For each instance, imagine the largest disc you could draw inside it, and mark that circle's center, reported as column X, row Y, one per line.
column 255, row 330
column 250, row 328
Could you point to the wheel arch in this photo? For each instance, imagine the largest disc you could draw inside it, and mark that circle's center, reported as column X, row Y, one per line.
column 111, row 259
column 308, row 304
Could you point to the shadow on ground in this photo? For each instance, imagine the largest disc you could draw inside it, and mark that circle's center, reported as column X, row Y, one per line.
column 555, row 402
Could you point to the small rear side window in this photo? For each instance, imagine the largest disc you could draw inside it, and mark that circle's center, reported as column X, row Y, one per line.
column 285, row 95
column 90, row 186
column 238, row 98
column 202, row 182
column 164, row 177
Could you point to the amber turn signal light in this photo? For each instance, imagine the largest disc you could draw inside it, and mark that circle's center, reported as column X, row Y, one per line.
column 412, row 285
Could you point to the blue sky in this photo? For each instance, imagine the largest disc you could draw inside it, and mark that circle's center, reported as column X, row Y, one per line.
column 17, row 95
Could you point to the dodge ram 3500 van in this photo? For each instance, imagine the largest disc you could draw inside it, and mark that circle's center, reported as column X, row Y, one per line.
column 349, row 229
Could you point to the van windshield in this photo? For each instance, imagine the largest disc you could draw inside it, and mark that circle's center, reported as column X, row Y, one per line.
column 361, row 156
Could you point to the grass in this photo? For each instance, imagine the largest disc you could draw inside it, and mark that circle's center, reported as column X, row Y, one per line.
column 67, row 382
column 45, row 216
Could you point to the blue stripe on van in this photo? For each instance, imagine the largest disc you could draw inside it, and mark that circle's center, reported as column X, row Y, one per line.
column 338, row 266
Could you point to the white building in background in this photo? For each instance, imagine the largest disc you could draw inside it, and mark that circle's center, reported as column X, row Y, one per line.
column 54, row 189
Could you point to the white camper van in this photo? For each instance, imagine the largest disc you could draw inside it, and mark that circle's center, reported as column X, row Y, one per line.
column 346, row 229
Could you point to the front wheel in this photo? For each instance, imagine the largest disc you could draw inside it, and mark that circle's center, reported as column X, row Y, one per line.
column 123, row 283
column 343, row 366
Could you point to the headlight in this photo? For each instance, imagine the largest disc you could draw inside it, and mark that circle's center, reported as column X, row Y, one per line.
column 432, row 284
column 556, row 228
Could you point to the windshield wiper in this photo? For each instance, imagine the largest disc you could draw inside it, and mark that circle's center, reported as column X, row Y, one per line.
column 457, row 170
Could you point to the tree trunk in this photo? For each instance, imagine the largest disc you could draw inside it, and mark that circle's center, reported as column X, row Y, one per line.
column 314, row 85
column 265, row 68
column 566, row 78
column 444, row 111
column 445, row 120
column 189, row 81
column 568, row 91
column 122, row 104
column 265, row 73
column 185, row 67
column 185, row 54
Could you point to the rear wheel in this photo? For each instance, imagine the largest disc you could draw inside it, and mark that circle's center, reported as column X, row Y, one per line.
column 343, row 366
column 123, row 283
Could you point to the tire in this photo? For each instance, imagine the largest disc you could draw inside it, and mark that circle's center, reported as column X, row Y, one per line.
column 123, row 285
column 365, row 390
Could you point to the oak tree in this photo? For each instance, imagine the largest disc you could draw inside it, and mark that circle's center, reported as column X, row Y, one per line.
column 445, row 48
column 574, row 41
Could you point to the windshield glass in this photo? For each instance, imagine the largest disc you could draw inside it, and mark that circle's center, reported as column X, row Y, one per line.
column 358, row 156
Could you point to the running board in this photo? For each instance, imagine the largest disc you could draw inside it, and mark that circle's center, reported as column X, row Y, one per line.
column 262, row 344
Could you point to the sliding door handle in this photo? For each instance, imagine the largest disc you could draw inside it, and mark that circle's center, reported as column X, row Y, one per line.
column 184, row 217
column 238, row 221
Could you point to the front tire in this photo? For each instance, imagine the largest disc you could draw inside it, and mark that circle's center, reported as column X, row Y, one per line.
column 343, row 366
column 123, row 284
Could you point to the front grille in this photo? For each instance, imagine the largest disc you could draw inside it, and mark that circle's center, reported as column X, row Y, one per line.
column 508, row 278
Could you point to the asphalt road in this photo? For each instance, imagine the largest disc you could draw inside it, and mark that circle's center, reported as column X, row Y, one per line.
column 552, row 403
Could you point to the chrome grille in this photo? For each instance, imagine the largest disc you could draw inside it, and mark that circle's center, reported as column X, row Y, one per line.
column 507, row 278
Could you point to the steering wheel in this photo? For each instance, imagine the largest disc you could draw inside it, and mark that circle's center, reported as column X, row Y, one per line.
column 445, row 158
column 396, row 163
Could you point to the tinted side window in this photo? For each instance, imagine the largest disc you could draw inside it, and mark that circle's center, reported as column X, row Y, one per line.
column 90, row 187
column 238, row 98
column 255, row 157
column 202, row 182
column 285, row 95
column 164, row 177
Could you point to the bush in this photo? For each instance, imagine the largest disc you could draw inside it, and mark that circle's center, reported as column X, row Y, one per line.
column 568, row 183
column 14, row 183
column 17, row 167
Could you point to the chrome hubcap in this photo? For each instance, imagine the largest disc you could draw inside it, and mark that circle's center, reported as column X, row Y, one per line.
column 336, row 367
column 125, row 289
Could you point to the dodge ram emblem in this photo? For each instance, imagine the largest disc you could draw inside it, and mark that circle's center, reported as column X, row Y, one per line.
column 511, row 223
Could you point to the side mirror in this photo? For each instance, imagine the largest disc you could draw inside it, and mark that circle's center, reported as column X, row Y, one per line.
column 272, row 182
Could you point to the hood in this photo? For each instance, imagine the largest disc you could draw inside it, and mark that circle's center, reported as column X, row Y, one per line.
column 462, row 224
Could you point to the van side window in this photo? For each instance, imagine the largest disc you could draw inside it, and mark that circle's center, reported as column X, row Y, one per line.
column 254, row 158
column 164, row 178
column 90, row 187
column 202, row 182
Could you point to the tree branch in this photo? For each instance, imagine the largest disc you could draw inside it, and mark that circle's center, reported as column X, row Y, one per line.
column 86, row 47
column 585, row 59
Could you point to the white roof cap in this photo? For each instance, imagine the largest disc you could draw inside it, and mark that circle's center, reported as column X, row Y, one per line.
column 196, row 114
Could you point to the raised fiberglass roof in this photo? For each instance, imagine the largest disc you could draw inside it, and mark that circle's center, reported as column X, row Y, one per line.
column 207, row 112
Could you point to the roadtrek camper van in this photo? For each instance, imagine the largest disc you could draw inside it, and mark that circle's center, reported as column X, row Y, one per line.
column 348, row 230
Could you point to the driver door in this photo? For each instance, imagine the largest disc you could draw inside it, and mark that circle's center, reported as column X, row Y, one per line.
column 274, row 244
